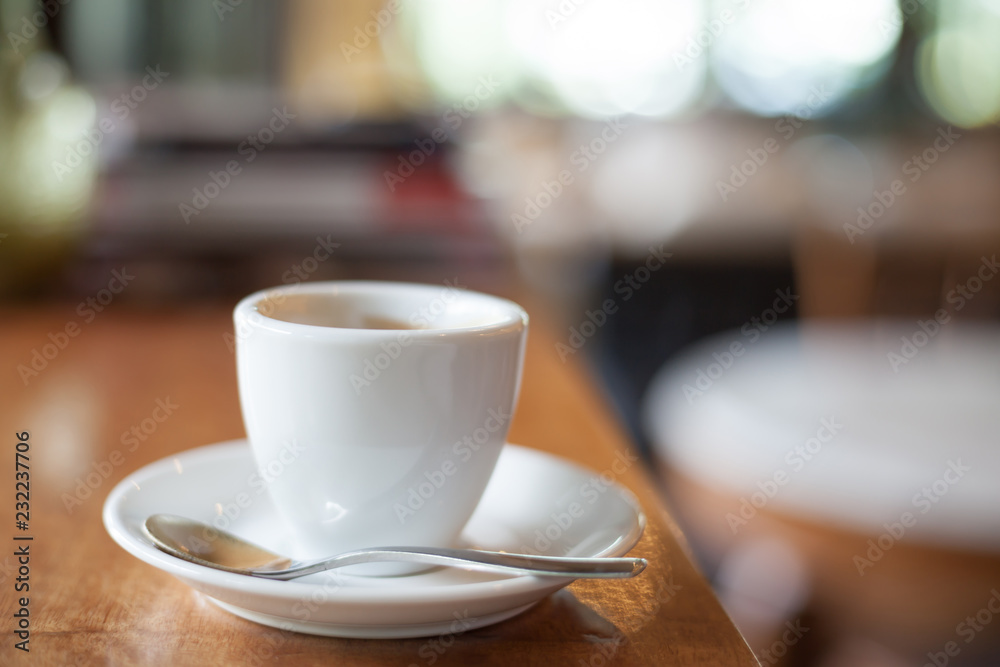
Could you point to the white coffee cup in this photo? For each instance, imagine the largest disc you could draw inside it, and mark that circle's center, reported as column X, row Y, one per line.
column 368, row 432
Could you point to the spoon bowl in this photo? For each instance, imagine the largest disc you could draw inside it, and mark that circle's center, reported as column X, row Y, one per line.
column 205, row 545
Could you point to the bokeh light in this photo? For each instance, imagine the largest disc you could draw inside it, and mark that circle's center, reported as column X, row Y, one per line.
column 956, row 65
column 457, row 43
column 608, row 58
column 802, row 56
column 596, row 59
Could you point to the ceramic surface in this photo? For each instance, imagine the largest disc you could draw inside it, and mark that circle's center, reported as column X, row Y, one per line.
column 535, row 503
column 367, row 434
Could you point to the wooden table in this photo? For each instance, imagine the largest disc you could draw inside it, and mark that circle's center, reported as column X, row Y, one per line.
column 92, row 603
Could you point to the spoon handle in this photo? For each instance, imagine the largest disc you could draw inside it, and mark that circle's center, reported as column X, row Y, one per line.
column 554, row 566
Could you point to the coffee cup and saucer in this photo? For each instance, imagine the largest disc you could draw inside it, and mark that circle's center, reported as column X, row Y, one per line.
column 376, row 415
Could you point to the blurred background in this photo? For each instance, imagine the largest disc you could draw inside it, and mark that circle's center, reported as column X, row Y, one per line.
column 805, row 191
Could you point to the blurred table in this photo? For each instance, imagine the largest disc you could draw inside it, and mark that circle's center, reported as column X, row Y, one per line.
column 93, row 603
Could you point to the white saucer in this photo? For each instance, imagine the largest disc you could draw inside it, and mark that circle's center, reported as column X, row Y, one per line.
column 530, row 496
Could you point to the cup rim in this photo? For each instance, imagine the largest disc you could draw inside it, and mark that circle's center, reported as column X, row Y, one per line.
column 247, row 310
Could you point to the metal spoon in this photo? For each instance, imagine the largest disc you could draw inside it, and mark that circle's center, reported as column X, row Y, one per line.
column 206, row 545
